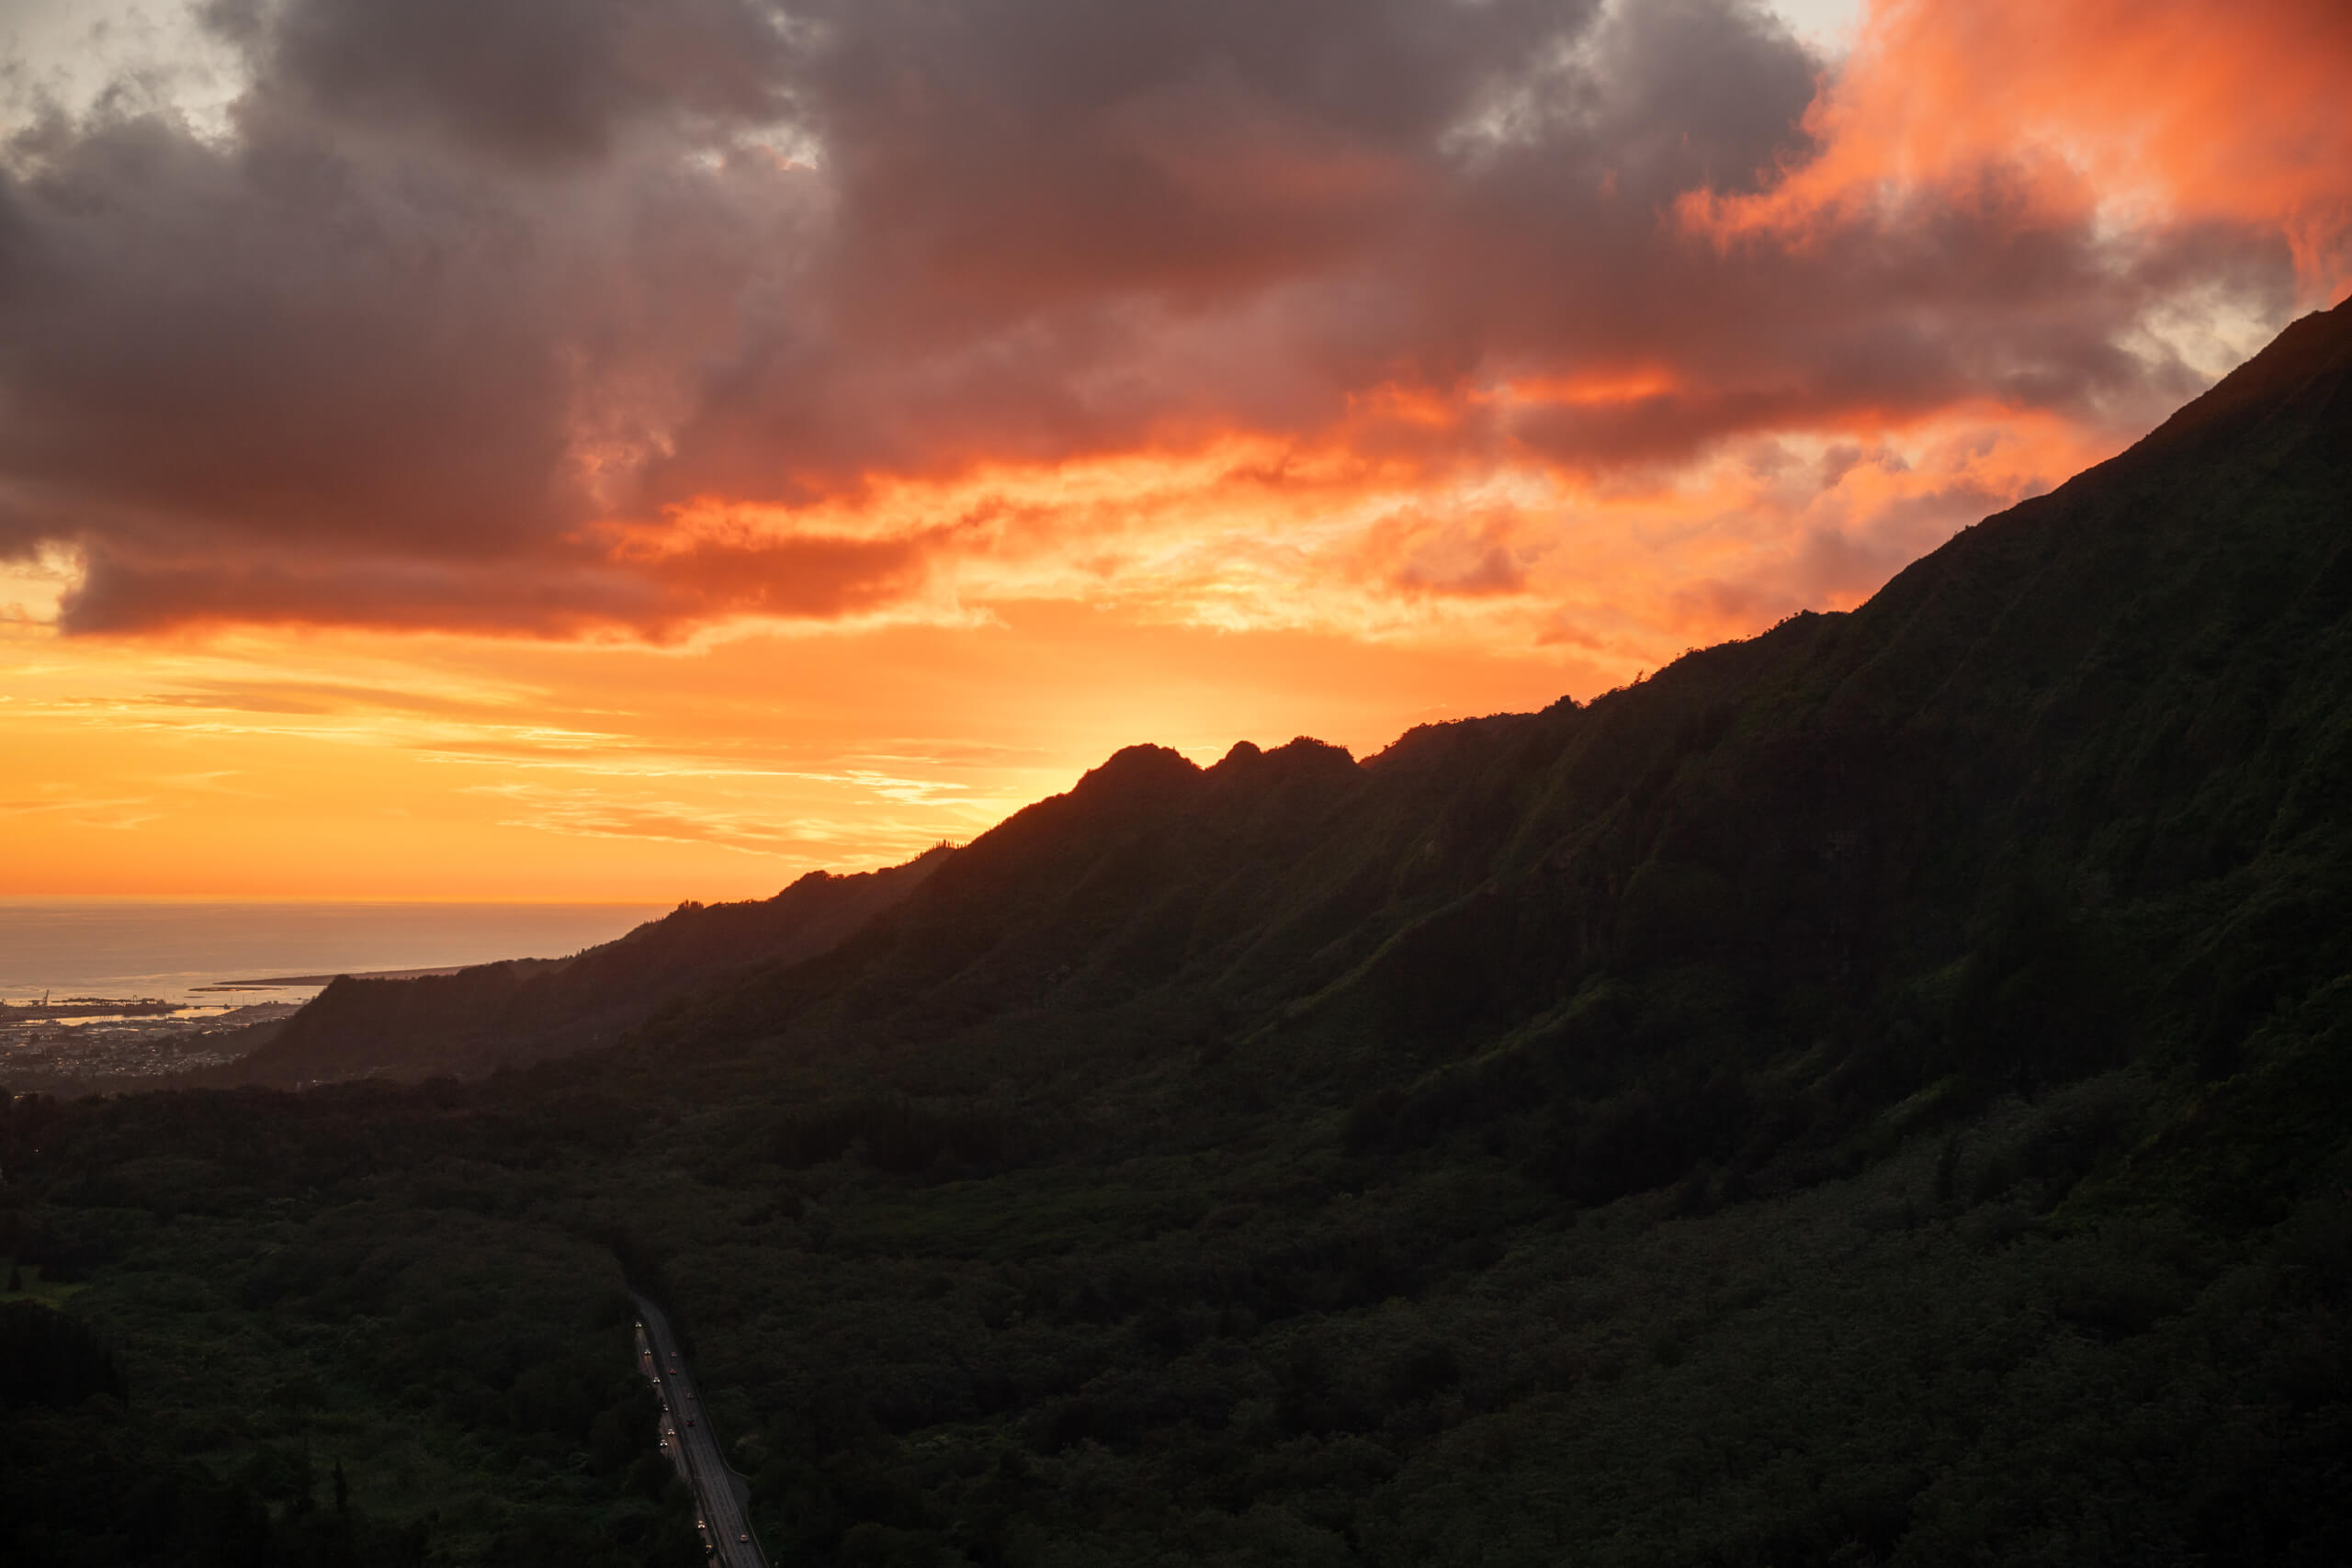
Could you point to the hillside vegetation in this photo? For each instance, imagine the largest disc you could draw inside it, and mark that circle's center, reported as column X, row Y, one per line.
column 1878, row 1092
column 492, row 1015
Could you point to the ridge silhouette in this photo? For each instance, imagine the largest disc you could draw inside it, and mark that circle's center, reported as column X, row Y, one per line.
column 2085, row 714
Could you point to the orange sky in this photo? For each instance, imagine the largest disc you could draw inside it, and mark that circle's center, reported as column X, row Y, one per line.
column 660, row 486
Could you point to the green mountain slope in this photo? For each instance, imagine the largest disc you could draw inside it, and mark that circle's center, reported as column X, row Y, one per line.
column 2068, row 792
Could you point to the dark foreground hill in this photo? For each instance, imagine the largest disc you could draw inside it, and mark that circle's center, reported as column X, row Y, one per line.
column 1880, row 1092
column 496, row 1015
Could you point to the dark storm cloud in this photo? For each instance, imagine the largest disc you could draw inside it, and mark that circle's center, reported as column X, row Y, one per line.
column 275, row 337
column 544, row 79
column 466, row 281
column 1061, row 227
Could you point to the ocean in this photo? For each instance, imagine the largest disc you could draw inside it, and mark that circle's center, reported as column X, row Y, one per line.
column 166, row 948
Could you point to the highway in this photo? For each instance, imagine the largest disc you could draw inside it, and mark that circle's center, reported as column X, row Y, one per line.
column 692, row 1445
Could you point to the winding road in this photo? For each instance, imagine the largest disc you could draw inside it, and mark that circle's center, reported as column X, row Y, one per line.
column 686, row 1436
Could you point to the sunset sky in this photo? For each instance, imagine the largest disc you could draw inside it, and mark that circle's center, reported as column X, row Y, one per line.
column 643, row 449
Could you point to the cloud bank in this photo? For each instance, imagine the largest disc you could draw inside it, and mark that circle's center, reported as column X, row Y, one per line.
column 1599, row 323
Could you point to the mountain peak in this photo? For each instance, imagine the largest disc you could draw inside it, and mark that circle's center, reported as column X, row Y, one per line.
column 2309, row 363
column 1300, row 755
column 1136, row 769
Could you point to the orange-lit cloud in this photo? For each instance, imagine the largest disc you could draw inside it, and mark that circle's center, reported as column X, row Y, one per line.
column 475, row 347
column 2147, row 114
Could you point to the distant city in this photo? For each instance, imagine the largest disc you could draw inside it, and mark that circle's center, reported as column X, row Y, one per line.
column 85, row 1041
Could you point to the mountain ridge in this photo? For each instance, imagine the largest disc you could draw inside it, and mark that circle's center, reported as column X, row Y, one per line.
column 1983, row 616
column 518, row 1010
column 1814, row 790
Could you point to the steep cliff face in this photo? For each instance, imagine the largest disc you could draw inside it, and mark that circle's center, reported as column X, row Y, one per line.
column 2068, row 791
column 2049, row 799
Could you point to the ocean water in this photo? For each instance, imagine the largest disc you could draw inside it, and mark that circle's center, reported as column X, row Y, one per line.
column 166, row 948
